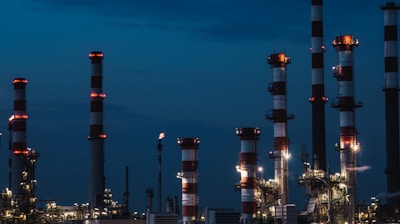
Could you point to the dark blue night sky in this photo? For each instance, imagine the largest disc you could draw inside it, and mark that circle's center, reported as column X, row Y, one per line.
column 187, row 68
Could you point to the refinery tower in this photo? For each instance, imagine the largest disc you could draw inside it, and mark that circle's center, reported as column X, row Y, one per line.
column 17, row 124
column 391, row 104
column 247, row 166
column 280, row 117
column 96, row 135
column 318, row 98
column 189, row 176
column 345, row 103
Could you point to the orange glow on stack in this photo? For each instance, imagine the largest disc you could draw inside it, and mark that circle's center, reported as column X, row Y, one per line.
column 20, row 151
column 96, row 55
column 16, row 116
column 323, row 99
column 345, row 40
column 20, row 81
column 98, row 95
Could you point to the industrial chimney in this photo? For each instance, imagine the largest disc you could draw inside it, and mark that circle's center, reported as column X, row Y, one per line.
column 346, row 105
column 18, row 128
column 189, row 176
column 125, row 208
column 318, row 98
column 96, row 136
column 391, row 103
column 247, row 167
column 279, row 116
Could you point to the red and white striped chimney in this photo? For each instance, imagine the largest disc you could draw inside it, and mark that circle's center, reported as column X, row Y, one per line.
column 18, row 125
column 279, row 116
column 189, row 176
column 318, row 98
column 391, row 103
column 247, row 167
column 96, row 136
column 346, row 106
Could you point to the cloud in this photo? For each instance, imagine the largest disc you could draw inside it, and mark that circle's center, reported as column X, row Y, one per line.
column 388, row 195
column 223, row 20
column 392, row 195
column 122, row 24
column 360, row 169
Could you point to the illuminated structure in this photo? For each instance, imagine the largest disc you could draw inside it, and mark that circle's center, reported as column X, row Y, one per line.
column 247, row 166
column 28, row 185
column 279, row 116
column 23, row 159
column 392, row 103
column 159, row 150
column 346, row 105
column 315, row 177
column 96, row 136
column 189, row 176
column 18, row 127
column 318, row 99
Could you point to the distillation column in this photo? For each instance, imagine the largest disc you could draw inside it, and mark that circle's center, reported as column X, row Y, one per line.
column 346, row 105
column 392, row 103
column 96, row 136
column 247, row 167
column 279, row 116
column 189, row 176
column 18, row 126
column 318, row 98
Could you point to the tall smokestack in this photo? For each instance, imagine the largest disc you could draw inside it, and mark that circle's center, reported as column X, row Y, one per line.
column 279, row 117
column 18, row 127
column 189, row 176
column 392, row 103
column 346, row 105
column 96, row 136
column 125, row 209
column 318, row 98
column 247, row 167
column 159, row 150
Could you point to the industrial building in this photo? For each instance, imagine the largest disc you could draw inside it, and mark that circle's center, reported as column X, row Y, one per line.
column 332, row 196
column 219, row 215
